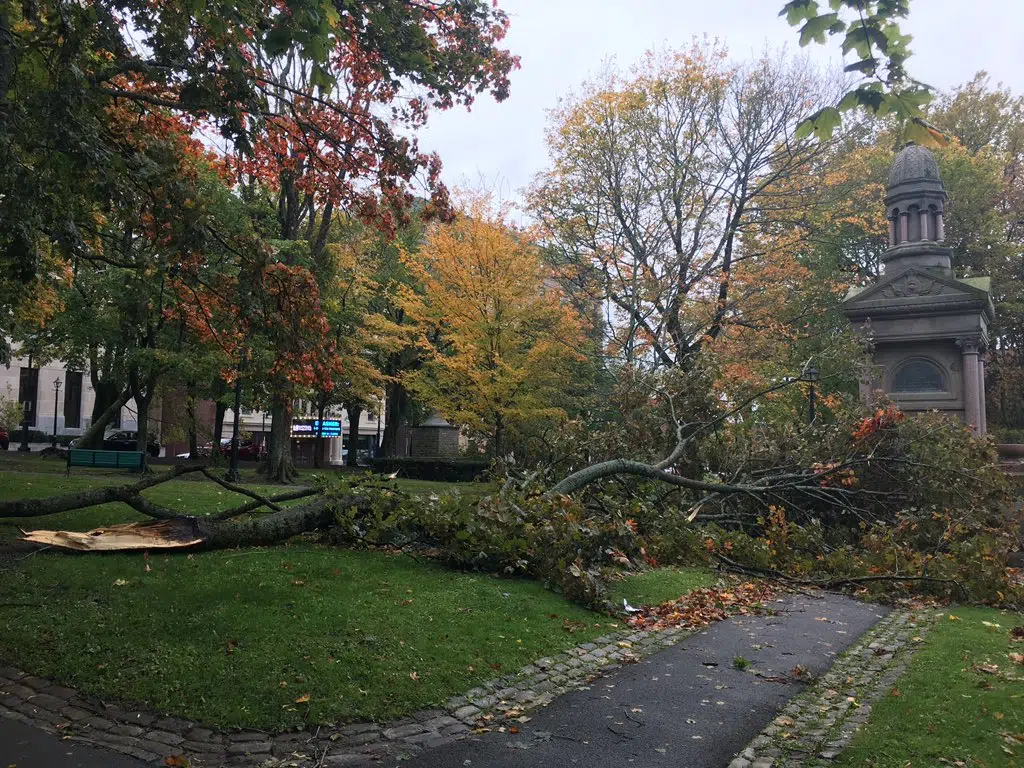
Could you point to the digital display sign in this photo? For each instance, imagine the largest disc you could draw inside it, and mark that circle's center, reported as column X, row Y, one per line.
column 309, row 427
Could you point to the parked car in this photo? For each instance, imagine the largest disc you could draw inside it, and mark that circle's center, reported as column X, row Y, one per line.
column 128, row 441
column 248, row 450
column 5, row 439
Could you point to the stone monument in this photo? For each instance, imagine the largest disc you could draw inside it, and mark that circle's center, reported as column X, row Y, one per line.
column 434, row 438
column 927, row 328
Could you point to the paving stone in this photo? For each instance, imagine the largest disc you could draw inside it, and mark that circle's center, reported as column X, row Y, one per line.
column 403, row 731
column 249, row 747
column 165, row 737
column 363, row 738
column 356, row 728
column 348, row 761
column 443, row 721
column 468, row 711
column 74, row 714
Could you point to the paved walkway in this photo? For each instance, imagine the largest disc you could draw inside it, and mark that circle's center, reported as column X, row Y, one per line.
column 24, row 746
column 685, row 706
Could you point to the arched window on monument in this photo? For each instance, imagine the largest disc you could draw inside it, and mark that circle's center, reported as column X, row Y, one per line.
column 918, row 376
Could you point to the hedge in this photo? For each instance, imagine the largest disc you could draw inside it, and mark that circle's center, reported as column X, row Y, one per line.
column 444, row 469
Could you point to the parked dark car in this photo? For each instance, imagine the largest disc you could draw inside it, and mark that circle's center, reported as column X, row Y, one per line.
column 127, row 441
column 248, row 450
column 5, row 439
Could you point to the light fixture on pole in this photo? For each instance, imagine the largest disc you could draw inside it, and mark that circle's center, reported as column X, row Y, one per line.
column 56, row 398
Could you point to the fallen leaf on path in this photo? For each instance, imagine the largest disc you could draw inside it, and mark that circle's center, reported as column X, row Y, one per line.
column 703, row 606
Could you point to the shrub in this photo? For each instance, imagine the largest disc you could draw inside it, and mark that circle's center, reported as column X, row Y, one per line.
column 451, row 470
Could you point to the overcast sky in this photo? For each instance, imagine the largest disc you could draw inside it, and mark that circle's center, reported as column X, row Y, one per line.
column 563, row 42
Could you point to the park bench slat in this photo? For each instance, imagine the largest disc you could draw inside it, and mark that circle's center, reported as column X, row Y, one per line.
column 88, row 457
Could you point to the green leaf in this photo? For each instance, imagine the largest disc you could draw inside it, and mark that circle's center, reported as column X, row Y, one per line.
column 861, row 38
column 869, row 97
column 823, row 123
column 815, row 29
column 867, row 66
column 796, row 11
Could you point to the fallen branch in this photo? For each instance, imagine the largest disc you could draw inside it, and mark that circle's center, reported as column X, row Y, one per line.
column 91, row 498
column 185, row 532
column 251, row 506
column 771, row 573
column 240, row 490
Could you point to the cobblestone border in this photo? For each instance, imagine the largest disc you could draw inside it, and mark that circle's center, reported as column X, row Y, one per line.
column 68, row 714
column 815, row 726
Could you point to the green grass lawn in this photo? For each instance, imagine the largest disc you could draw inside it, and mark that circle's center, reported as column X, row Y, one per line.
column 946, row 708
column 659, row 586
column 235, row 637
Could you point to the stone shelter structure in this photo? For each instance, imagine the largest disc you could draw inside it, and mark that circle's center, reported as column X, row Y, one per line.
column 928, row 329
column 434, row 438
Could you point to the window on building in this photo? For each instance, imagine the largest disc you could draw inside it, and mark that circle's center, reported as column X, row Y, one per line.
column 28, row 393
column 73, row 400
column 918, row 376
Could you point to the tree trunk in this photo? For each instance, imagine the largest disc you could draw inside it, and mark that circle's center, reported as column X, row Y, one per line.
column 279, row 466
column 396, row 410
column 102, row 413
column 93, row 436
column 142, row 403
column 354, row 413
column 191, row 419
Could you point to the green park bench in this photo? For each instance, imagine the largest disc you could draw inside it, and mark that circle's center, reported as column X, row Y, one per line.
column 87, row 457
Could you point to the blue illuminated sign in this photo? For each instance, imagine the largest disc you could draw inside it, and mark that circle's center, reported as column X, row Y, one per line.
column 309, row 428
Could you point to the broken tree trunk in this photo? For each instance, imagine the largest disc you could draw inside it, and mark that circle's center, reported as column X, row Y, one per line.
column 170, row 529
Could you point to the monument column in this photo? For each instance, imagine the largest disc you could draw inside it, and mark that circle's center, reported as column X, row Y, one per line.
column 972, row 378
column 981, row 396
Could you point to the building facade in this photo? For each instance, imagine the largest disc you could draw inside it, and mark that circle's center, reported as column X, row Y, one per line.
column 67, row 406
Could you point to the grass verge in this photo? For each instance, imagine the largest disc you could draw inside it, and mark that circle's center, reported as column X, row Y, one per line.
column 243, row 637
column 960, row 702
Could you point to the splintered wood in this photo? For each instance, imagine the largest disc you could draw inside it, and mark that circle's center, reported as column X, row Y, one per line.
column 162, row 534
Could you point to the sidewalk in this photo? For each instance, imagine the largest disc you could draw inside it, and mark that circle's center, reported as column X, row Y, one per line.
column 23, row 746
column 686, row 706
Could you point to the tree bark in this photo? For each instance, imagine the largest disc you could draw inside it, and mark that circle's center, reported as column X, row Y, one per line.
column 396, row 413
column 354, row 412
column 93, row 436
column 279, row 466
column 192, row 418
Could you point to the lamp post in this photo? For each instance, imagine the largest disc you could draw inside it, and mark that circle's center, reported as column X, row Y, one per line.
column 811, row 376
column 56, row 397
column 26, row 408
column 232, row 473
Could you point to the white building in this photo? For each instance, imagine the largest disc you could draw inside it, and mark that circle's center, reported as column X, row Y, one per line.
column 23, row 381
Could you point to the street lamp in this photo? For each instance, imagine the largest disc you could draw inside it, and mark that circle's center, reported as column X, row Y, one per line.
column 233, row 474
column 56, row 396
column 26, row 409
column 811, row 376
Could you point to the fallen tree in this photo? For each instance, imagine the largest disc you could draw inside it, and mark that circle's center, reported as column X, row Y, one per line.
column 172, row 529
